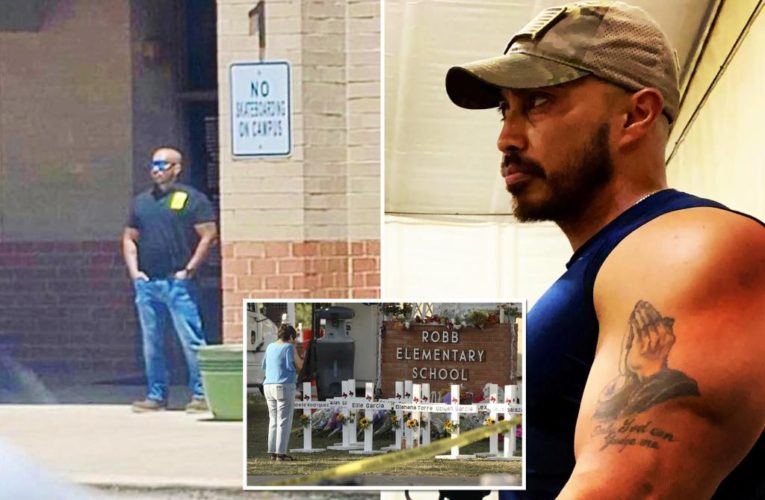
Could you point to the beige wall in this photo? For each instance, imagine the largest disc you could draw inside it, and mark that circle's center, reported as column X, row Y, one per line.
column 718, row 153
column 307, row 225
column 363, row 104
column 329, row 188
column 260, row 199
column 65, row 124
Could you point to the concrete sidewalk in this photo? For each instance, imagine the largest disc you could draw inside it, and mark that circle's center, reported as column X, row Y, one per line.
column 109, row 445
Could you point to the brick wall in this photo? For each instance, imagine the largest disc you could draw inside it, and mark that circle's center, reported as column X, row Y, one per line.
column 499, row 343
column 285, row 269
column 67, row 308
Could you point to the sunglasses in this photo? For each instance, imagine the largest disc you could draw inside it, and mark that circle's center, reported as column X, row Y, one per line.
column 161, row 165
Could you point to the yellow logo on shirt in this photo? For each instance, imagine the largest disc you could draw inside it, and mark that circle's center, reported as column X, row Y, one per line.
column 178, row 200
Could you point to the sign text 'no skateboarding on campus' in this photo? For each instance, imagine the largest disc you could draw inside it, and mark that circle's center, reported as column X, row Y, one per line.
column 261, row 111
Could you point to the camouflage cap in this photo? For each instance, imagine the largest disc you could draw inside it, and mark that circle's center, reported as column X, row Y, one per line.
column 614, row 41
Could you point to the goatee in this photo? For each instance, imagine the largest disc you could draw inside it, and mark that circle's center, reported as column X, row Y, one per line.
column 570, row 188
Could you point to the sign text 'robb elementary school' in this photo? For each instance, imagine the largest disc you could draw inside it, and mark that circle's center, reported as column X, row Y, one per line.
column 443, row 355
column 436, row 348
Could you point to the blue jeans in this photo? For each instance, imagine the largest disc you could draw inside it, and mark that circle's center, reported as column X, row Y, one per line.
column 280, row 399
column 178, row 298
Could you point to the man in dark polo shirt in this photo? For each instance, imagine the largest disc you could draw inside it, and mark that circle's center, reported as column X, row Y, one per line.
column 169, row 234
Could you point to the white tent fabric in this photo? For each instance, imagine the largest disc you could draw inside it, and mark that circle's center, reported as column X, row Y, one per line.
column 448, row 260
column 440, row 158
column 720, row 155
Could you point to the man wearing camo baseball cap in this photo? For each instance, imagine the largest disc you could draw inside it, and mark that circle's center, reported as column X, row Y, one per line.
column 644, row 369
column 618, row 43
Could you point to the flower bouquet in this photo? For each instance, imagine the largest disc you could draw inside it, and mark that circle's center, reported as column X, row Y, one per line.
column 305, row 420
column 363, row 423
column 451, row 426
column 395, row 423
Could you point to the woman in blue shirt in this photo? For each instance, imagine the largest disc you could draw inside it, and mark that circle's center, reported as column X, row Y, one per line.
column 280, row 364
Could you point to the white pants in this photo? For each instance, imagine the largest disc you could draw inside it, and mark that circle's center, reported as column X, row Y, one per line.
column 281, row 401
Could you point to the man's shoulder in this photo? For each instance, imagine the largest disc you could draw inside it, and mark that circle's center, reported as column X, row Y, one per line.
column 700, row 257
column 704, row 218
column 698, row 234
column 191, row 191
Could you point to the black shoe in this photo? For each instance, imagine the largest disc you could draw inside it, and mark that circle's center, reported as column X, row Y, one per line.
column 285, row 458
column 149, row 405
column 197, row 405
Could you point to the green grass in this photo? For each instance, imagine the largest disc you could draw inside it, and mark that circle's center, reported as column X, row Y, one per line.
column 259, row 463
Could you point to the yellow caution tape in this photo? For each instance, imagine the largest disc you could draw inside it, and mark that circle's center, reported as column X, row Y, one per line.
column 380, row 462
column 178, row 200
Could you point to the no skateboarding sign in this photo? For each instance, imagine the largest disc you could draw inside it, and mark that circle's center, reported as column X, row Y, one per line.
column 261, row 112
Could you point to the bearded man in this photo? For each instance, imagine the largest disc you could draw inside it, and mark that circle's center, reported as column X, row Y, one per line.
column 645, row 373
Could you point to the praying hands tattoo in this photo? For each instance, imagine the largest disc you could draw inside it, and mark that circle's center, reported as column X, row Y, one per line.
column 644, row 378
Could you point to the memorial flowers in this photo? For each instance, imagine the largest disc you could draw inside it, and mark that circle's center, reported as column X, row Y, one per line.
column 403, row 315
column 489, row 421
column 511, row 311
column 340, row 418
column 451, row 426
column 398, row 311
column 363, row 423
column 412, row 423
column 395, row 423
column 305, row 420
column 478, row 318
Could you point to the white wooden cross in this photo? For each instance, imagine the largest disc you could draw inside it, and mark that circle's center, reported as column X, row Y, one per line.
column 407, row 399
column 455, row 417
column 399, row 397
column 349, row 442
column 425, row 435
column 369, row 406
column 512, row 407
column 307, row 405
column 413, row 434
column 494, row 438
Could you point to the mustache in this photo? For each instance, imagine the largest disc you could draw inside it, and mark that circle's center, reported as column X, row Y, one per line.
column 521, row 164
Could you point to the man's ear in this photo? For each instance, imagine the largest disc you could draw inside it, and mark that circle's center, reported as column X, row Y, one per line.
column 644, row 108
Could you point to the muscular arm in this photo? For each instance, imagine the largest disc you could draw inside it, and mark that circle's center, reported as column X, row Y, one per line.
column 130, row 253
column 675, row 398
column 208, row 234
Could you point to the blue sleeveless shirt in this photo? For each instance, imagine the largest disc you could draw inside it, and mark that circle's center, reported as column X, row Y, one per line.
column 562, row 332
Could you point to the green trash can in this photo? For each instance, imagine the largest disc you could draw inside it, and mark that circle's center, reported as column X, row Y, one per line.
column 222, row 376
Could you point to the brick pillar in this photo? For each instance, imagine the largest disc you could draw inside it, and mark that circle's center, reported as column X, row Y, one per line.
column 307, row 226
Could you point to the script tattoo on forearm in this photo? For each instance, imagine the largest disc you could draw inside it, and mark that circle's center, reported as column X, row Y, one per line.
column 632, row 432
column 644, row 378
